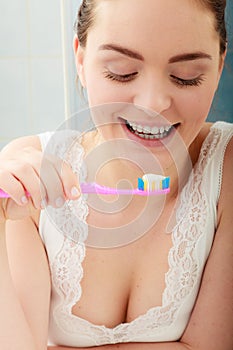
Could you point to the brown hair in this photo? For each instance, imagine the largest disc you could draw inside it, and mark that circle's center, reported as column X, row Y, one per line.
column 87, row 10
column 218, row 7
column 85, row 19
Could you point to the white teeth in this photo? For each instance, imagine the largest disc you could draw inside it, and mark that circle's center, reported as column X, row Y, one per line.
column 155, row 130
column 148, row 132
column 139, row 128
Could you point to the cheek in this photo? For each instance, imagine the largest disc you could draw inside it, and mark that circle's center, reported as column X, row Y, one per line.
column 204, row 103
column 196, row 105
column 103, row 94
column 101, row 91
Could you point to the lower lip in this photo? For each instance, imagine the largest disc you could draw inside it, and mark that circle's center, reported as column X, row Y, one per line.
column 148, row 142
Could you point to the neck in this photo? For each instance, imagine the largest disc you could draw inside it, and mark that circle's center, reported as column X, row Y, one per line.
column 105, row 168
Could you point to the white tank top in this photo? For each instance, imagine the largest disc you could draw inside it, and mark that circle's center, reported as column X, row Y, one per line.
column 195, row 229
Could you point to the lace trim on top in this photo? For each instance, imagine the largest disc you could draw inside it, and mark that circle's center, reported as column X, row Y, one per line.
column 182, row 278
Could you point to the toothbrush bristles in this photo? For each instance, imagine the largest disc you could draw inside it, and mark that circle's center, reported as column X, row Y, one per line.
column 145, row 185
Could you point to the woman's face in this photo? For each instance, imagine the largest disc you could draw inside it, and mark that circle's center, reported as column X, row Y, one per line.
column 160, row 59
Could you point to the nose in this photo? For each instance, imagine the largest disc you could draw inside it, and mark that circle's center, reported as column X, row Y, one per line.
column 154, row 97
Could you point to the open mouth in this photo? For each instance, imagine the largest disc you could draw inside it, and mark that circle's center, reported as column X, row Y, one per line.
column 149, row 133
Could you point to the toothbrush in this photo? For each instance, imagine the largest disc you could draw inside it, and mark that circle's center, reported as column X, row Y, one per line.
column 149, row 184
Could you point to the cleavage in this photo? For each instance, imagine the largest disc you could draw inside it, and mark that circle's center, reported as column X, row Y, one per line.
column 121, row 284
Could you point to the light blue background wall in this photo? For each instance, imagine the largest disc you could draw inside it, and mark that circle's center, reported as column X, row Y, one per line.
column 223, row 105
column 31, row 67
column 36, row 92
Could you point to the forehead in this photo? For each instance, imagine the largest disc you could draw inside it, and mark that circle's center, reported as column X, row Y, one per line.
column 155, row 22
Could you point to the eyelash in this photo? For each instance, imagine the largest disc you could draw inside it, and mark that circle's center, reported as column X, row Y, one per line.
column 178, row 81
column 120, row 78
column 189, row 82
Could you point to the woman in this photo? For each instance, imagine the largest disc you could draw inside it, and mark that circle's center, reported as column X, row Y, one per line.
column 153, row 68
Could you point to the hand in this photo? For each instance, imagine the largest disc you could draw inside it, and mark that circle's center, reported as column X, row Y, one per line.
column 21, row 174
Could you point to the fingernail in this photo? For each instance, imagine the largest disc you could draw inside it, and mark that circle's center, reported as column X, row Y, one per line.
column 59, row 202
column 24, row 200
column 75, row 192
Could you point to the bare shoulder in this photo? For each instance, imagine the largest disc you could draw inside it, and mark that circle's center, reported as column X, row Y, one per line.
column 196, row 145
column 211, row 322
column 226, row 195
column 20, row 143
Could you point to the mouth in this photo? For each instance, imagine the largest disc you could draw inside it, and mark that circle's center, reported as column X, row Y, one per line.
column 149, row 132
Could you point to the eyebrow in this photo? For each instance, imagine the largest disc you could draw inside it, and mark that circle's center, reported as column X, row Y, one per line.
column 133, row 54
column 190, row 57
column 122, row 50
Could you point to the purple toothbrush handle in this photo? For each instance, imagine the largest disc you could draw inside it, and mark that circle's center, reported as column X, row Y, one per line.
column 4, row 194
column 95, row 188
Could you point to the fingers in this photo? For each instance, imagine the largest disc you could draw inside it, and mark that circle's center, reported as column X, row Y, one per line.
column 69, row 181
column 20, row 179
column 13, row 187
column 59, row 180
column 52, row 182
column 56, row 179
column 32, row 184
column 46, row 180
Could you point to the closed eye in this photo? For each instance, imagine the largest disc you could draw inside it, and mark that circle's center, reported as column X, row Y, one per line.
column 122, row 78
column 188, row 82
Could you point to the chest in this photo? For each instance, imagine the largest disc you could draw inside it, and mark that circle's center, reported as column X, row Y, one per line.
column 121, row 283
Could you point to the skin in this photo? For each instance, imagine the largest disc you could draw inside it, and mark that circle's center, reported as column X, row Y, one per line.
column 192, row 31
column 153, row 86
column 155, row 74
